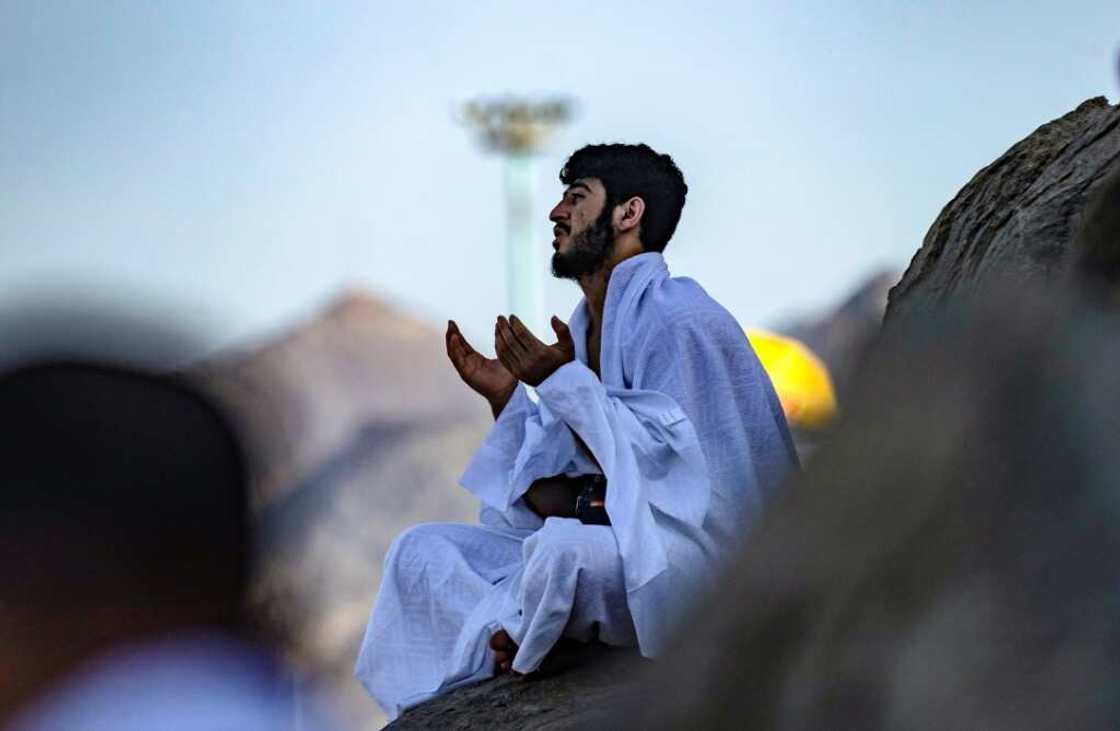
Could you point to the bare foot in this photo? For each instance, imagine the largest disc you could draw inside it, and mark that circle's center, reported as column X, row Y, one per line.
column 504, row 650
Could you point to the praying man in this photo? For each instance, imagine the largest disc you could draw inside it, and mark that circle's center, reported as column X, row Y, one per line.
column 609, row 502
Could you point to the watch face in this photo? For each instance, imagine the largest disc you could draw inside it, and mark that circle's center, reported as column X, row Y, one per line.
column 591, row 502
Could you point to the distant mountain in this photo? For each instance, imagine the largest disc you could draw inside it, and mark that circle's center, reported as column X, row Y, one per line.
column 358, row 428
column 842, row 336
column 302, row 396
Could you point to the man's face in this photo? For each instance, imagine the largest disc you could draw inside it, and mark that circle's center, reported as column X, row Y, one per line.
column 583, row 235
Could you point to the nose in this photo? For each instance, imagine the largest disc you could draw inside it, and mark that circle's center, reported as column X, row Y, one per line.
column 559, row 213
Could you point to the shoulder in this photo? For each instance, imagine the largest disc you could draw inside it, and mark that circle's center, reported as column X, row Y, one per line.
column 679, row 306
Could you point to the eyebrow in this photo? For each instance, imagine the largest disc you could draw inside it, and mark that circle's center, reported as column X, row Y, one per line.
column 577, row 184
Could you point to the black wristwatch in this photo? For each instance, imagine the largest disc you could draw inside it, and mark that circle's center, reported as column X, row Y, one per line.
column 591, row 502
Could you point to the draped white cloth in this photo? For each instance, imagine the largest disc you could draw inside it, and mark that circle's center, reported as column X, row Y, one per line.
column 686, row 427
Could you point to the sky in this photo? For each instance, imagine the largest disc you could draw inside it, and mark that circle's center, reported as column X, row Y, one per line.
column 234, row 166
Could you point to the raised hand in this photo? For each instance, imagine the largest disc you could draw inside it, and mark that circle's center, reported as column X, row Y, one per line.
column 488, row 377
column 526, row 357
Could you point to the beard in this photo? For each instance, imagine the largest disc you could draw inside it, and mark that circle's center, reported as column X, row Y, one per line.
column 588, row 251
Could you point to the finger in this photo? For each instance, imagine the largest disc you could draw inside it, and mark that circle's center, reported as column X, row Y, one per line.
column 458, row 350
column 454, row 344
column 524, row 335
column 452, row 331
column 501, row 347
column 464, row 346
column 516, row 347
column 508, row 362
column 527, row 344
column 563, row 334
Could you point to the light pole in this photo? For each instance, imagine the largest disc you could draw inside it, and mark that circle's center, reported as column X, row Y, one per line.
column 517, row 129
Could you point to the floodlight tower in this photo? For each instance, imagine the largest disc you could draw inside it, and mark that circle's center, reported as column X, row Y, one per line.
column 517, row 129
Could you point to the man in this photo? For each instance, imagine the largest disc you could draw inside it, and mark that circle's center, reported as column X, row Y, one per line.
column 651, row 387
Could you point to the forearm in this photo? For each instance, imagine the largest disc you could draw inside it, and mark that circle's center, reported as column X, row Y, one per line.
column 498, row 403
column 576, row 396
column 524, row 445
column 553, row 496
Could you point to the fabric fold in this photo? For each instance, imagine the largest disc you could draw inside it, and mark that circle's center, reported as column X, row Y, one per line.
column 681, row 419
column 649, row 454
column 526, row 443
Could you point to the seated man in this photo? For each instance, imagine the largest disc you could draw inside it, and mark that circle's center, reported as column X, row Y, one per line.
column 611, row 503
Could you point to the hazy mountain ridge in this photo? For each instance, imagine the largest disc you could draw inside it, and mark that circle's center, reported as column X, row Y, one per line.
column 301, row 396
column 358, row 428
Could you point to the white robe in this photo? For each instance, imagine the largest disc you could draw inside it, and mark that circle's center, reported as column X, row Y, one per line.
column 690, row 435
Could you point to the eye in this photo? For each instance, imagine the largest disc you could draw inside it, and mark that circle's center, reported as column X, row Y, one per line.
column 576, row 197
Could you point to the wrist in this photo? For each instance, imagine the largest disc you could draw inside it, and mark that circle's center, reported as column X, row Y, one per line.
column 499, row 401
column 555, row 367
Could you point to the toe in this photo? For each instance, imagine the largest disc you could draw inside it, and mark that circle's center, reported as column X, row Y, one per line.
column 499, row 641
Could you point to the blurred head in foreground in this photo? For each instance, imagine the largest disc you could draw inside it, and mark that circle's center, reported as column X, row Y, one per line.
column 122, row 518
column 123, row 513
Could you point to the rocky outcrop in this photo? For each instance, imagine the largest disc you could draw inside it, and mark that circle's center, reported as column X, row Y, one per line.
column 1015, row 220
column 949, row 560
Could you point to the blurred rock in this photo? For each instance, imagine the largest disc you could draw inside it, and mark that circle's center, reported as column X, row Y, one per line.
column 950, row 560
column 359, row 428
column 1017, row 217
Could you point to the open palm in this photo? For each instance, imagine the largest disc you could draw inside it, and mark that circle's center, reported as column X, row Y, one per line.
column 487, row 376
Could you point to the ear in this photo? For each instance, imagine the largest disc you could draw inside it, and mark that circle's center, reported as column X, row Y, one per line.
column 628, row 214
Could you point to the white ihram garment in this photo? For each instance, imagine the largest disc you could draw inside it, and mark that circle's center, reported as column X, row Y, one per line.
column 690, row 435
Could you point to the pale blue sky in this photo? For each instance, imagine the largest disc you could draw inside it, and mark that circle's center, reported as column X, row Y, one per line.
column 233, row 165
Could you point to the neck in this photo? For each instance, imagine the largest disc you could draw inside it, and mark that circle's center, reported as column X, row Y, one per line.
column 594, row 285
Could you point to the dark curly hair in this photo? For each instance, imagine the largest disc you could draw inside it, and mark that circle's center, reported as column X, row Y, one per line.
column 634, row 170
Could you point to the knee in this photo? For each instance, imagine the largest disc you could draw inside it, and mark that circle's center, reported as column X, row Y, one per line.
column 413, row 547
column 561, row 549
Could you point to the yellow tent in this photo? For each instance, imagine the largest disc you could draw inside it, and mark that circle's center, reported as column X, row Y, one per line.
column 799, row 376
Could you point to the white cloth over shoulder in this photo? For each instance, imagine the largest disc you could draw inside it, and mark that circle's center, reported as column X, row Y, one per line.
column 688, row 431
column 683, row 422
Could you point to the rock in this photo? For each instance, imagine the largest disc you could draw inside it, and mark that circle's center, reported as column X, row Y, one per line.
column 1017, row 217
column 1098, row 241
column 950, row 560
column 583, row 696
